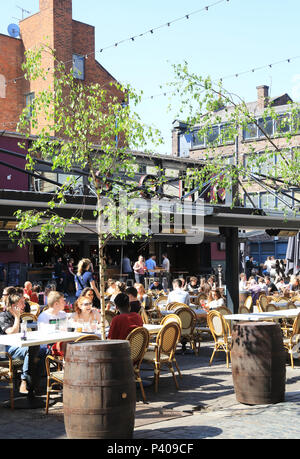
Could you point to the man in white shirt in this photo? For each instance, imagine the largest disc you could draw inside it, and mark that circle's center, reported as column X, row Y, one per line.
column 166, row 263
column 178, row 295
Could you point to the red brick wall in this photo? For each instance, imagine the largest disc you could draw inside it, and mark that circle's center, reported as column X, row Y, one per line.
column 11, row 57
column 52, row 25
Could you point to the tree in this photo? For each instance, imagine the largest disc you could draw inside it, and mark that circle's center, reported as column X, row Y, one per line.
column 68, row 116
column 201, row 103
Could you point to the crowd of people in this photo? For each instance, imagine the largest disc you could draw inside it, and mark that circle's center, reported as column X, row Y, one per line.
column 128, row 301
column 270, row 279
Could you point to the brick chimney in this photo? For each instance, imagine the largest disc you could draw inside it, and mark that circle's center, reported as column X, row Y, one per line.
column 262, row 96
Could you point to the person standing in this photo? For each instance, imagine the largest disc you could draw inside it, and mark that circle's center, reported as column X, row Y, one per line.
column 126, row 266
column 140, row 270
column 151, row 265
column 166, row 267
column 165, row 263
column 59, row 275
column 3, row 278
column 84, row 277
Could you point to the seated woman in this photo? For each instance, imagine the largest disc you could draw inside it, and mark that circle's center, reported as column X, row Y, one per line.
column 84, row 311
column 88, row 292
column 217, row 300
column 111, row 287
column 142, row 296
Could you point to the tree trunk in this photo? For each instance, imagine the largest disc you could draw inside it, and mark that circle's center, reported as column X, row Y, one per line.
column 102, row 286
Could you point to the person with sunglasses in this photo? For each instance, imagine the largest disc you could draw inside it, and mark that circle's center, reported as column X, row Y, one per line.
column 84, row 311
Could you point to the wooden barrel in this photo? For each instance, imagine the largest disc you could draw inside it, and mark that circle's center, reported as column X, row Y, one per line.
column 258, row 363
column 99, row 393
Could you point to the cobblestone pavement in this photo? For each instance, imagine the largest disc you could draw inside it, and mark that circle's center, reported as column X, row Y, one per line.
column 204, row 407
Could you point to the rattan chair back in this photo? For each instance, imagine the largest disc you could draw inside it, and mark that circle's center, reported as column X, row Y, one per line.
column 171, row 306
column 217, row 325
column 263, row 302
column 243, row 310
column 188, row 319
column 168, row 338
column 34, row 308
column 171, row 318
column 144, row 315
column 88, row 338
column 161, row 301
column 109, row 315
column 26, row 316
column 248, row 302
column 139, row 341
column 271, row 307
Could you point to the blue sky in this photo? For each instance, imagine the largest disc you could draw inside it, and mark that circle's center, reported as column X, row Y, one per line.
column 229, row 38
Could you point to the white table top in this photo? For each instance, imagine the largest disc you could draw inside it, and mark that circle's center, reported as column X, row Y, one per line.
column 255, row 316
column 36, row 338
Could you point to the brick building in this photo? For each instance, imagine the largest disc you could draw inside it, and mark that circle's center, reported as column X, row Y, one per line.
column 187, row 143
column 74, row 44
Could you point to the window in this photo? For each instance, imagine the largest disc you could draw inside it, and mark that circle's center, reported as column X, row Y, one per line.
column 267, row 126
column 282, row 124
column 250, row 132
column 197, row 140
column 218, row 134
column 29, row 98
column 78, row 66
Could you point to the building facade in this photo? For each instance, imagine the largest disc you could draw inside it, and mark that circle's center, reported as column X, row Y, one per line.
column 74, row 44
column 187, row 143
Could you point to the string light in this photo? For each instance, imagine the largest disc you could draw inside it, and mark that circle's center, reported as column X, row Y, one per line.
column 151, row 31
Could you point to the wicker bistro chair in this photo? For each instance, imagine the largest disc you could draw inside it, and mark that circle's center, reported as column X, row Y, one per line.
column 262, row 303
column 292, row 338
column 161, row 301
column 220, row 332
column 171, row 318
column 34, row 308
column 109, row 315
column 8, row 370
column 188, row 322
column 55, row 371
column 138, row 340
column 164, row 351
column 243, row 310
column 144, row 315
column 28, row 316
column 171, row 306
column 249, row 303
column 226, row 311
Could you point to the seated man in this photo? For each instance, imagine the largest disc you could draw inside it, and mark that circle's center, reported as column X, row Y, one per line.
column 10, row 324
column 178, row 295
column 193, row 286
column 134, row 303
column 156, row 285
column 126, row 321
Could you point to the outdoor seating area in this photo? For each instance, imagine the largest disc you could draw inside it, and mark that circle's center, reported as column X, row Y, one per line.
column 169, row 329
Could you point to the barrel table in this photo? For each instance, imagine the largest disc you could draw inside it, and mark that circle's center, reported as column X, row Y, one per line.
column 258, row 361
column 99, row 393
